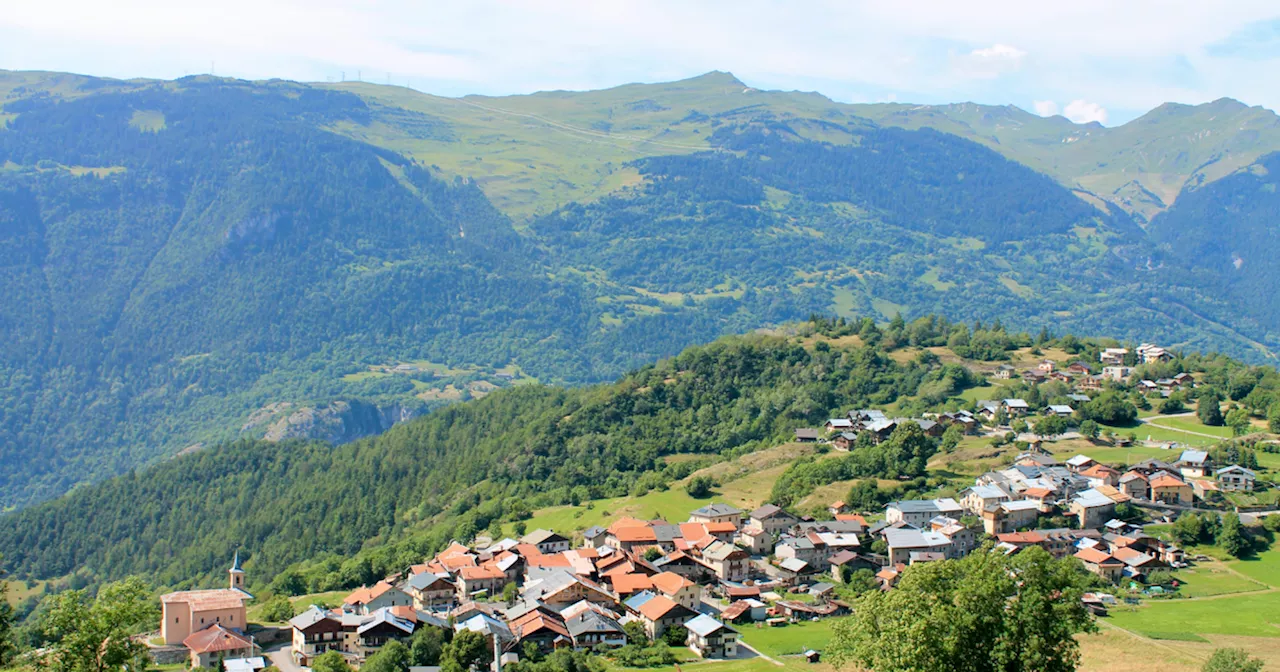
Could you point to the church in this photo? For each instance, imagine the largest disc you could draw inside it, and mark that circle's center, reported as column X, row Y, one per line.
column 187, row 614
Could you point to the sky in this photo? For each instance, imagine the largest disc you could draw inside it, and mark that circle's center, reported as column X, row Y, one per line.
column 1089, row 60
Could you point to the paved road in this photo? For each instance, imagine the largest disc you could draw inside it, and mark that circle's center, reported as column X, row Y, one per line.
column 281, row 655
column 756, row 651
column 1148, row 421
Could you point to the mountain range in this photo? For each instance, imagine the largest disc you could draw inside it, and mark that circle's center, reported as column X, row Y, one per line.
column 190, row 262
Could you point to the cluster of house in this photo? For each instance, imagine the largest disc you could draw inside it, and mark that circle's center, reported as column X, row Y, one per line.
column 1086, row 377
column 653, row 572
column 844, row 431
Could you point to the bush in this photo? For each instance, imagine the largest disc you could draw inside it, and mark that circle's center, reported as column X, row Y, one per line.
column 1232, row 660
column 699, row 487
column 278, row 609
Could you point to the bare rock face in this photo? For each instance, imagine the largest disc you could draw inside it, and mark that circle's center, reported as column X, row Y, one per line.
column 335, row 422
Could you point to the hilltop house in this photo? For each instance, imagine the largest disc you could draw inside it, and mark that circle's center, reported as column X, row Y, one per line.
column 547, row 541
column 717, row 513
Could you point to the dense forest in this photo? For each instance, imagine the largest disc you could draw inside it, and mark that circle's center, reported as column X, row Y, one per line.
column 177, row 256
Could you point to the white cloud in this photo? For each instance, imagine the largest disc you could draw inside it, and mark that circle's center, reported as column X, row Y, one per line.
column 989, row 62
column 1083, row 112
column 1045, row 108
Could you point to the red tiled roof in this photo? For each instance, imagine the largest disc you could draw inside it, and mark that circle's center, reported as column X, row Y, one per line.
column 851, row 517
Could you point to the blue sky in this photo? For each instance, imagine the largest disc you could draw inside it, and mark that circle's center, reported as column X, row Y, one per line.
column 1089, row 60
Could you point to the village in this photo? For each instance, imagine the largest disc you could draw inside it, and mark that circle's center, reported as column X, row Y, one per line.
column 700, row 583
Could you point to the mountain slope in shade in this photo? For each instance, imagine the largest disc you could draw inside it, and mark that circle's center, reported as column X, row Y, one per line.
column 181, row 257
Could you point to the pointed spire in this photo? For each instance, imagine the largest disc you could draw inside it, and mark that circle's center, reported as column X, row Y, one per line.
column 235, row 563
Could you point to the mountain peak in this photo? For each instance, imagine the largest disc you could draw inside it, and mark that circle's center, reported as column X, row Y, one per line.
column 713, row 79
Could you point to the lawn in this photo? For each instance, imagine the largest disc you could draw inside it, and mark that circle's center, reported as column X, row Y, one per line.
column 789, row 639
column 1191, row 423
column 1213, row 578
column 1264, row 567
column 1147, row 432
column 1113, row 454
column 1254, row 615
column 302, row 603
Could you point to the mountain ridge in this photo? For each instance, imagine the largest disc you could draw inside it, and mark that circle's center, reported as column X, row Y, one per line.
column 183, row 254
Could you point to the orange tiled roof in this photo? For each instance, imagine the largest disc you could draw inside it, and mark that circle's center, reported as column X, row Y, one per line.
column 720, row 528
column 367, row 594
column 216, row 638
column 1126, row 554
column 1095, row 556
column 535, row 621
column 636, row 533
column 627, row 583
column 208, row 600
column 1021, row 538
column 405, row 612
column 670, row 582
column 527, row 551
column 1099, row 471
column 479, row 573
column 693, row 531
column 453, row 563
column 553, row 560
column 1167, row 481
column 851, row 517
column 625, row 522
column 454, row 548
column 657, row 607
column 1038, row 493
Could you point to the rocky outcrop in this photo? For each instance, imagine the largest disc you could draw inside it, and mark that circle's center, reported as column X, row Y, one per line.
column 340, row 421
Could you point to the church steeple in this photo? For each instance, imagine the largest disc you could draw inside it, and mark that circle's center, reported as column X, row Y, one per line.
column 237, row 574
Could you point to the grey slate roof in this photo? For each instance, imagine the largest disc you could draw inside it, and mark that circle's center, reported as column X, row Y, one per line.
column 591, row 622
column 309, row 618
column 425, row 579
column 717, row 509
column 704, row 625
column 767, row 511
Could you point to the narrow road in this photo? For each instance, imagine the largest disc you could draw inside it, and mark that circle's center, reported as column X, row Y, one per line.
column 1148, row 421
column 756, row 651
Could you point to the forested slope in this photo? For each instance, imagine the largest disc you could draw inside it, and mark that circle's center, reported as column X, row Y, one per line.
column 455, row 471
